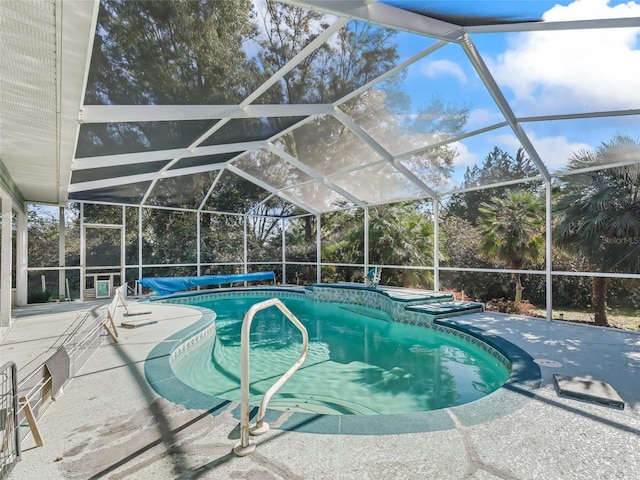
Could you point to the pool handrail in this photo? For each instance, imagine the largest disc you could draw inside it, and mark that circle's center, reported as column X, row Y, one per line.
column 373, row 277
column 246, row 446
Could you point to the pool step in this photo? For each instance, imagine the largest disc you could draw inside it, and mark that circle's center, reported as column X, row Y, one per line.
column 408, row 296
column 447, row 309
column 413, row 296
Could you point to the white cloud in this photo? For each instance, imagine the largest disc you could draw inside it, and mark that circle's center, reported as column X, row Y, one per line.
column 483, row 117
column 553, row 151
column 465, row 157
column 583, row 70
column 444, row 67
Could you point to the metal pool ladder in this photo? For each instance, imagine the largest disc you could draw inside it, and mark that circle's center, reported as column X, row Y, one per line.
column 246, row 446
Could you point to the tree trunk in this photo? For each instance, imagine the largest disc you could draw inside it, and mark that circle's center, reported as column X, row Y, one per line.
column 308, row 230
column 599, row 297
column 519, row 288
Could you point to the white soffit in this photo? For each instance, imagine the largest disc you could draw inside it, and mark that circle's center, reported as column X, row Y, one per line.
column 43, row 53
column 77, row 31
column 28, row 96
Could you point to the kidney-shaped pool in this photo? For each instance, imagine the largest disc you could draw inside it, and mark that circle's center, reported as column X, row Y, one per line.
column 359, row 360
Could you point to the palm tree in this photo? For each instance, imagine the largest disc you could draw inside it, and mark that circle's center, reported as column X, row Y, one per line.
column 512, row 231
column 597, row 213
column 402, row 234
column 399, row 234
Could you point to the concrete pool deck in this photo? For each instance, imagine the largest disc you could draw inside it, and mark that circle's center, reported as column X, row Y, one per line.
column 111, row 424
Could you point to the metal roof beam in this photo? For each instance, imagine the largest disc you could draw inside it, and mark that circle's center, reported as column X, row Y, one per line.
column 365, row 137
column 290, row 65
column 630, row 22
column 208, row 194
column 505, row 183
column 390, row 73
column 497, row 95
column 75, row 33
column 315, row 175
column 166, row 113
column 269, row 188
column 158, row 155
column 143, row 177
column 385, row 15
column 580, row 116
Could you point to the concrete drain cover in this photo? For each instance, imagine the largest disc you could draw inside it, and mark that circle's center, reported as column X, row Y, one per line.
column 588, row 389
column 543, row 362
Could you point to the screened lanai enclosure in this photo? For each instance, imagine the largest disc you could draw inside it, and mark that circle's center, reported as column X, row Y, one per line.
column 490, row 148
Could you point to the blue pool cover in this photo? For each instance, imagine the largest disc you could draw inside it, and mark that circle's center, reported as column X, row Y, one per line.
column 169, row 285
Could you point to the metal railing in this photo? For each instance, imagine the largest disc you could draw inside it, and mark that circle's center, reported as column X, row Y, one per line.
column 9, row 425
column 36, row 391
column 246, row 446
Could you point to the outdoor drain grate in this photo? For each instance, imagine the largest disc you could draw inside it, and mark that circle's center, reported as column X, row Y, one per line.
column 588, row 389
column 543, row 362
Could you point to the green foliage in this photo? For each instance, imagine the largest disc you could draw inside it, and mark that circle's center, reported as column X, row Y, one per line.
column 512, row 228
column 43, row 240
column 172, row 52
column 360, row 53
column 459, row 247
column 399, row 234
column 342, row 239
column 498, row 166
column 597, row 213
column 509, row 306
column 38, row 296
column 512, row 231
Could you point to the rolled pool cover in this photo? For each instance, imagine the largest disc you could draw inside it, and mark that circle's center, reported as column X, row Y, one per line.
column 170, row 285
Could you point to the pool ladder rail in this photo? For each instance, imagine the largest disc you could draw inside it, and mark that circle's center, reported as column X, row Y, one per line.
column 246, row 445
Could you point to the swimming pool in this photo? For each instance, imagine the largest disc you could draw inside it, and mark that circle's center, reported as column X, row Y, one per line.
column 360, row 361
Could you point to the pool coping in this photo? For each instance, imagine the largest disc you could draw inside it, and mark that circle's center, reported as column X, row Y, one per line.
column 524, row 378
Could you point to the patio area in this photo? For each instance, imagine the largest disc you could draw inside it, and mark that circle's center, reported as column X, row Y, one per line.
column 111, row 424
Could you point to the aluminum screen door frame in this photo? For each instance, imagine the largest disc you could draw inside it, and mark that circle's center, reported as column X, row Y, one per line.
column 83, row 255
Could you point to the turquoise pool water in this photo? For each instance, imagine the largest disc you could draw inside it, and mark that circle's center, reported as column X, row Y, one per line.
column 359, row 361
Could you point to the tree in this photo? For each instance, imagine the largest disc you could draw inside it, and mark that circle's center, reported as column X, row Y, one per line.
column 356, row 54
column 399, row 234
column 498, row 166
column 597, row 213
column 43, row 243
column 512, row 231
column 172, row 52
column 402, row 234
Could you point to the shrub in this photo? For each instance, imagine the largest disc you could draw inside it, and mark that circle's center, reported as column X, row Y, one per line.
column 38, row 296
column 503, row 305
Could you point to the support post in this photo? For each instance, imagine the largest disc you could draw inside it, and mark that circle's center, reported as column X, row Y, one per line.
column 548, row 252
column 83, row 247
column 436, row 244
column 112, row 331
column 139, row 246
column 22, row 280
column 366, row 241
column 198, row 219
column 31, row 420
column 318, row 250
column 61, row 255
column 246, row 248
column 123, row 248
column 5, row 262
column 284, row 249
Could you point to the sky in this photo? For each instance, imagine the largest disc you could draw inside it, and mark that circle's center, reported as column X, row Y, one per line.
column 542, row 73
